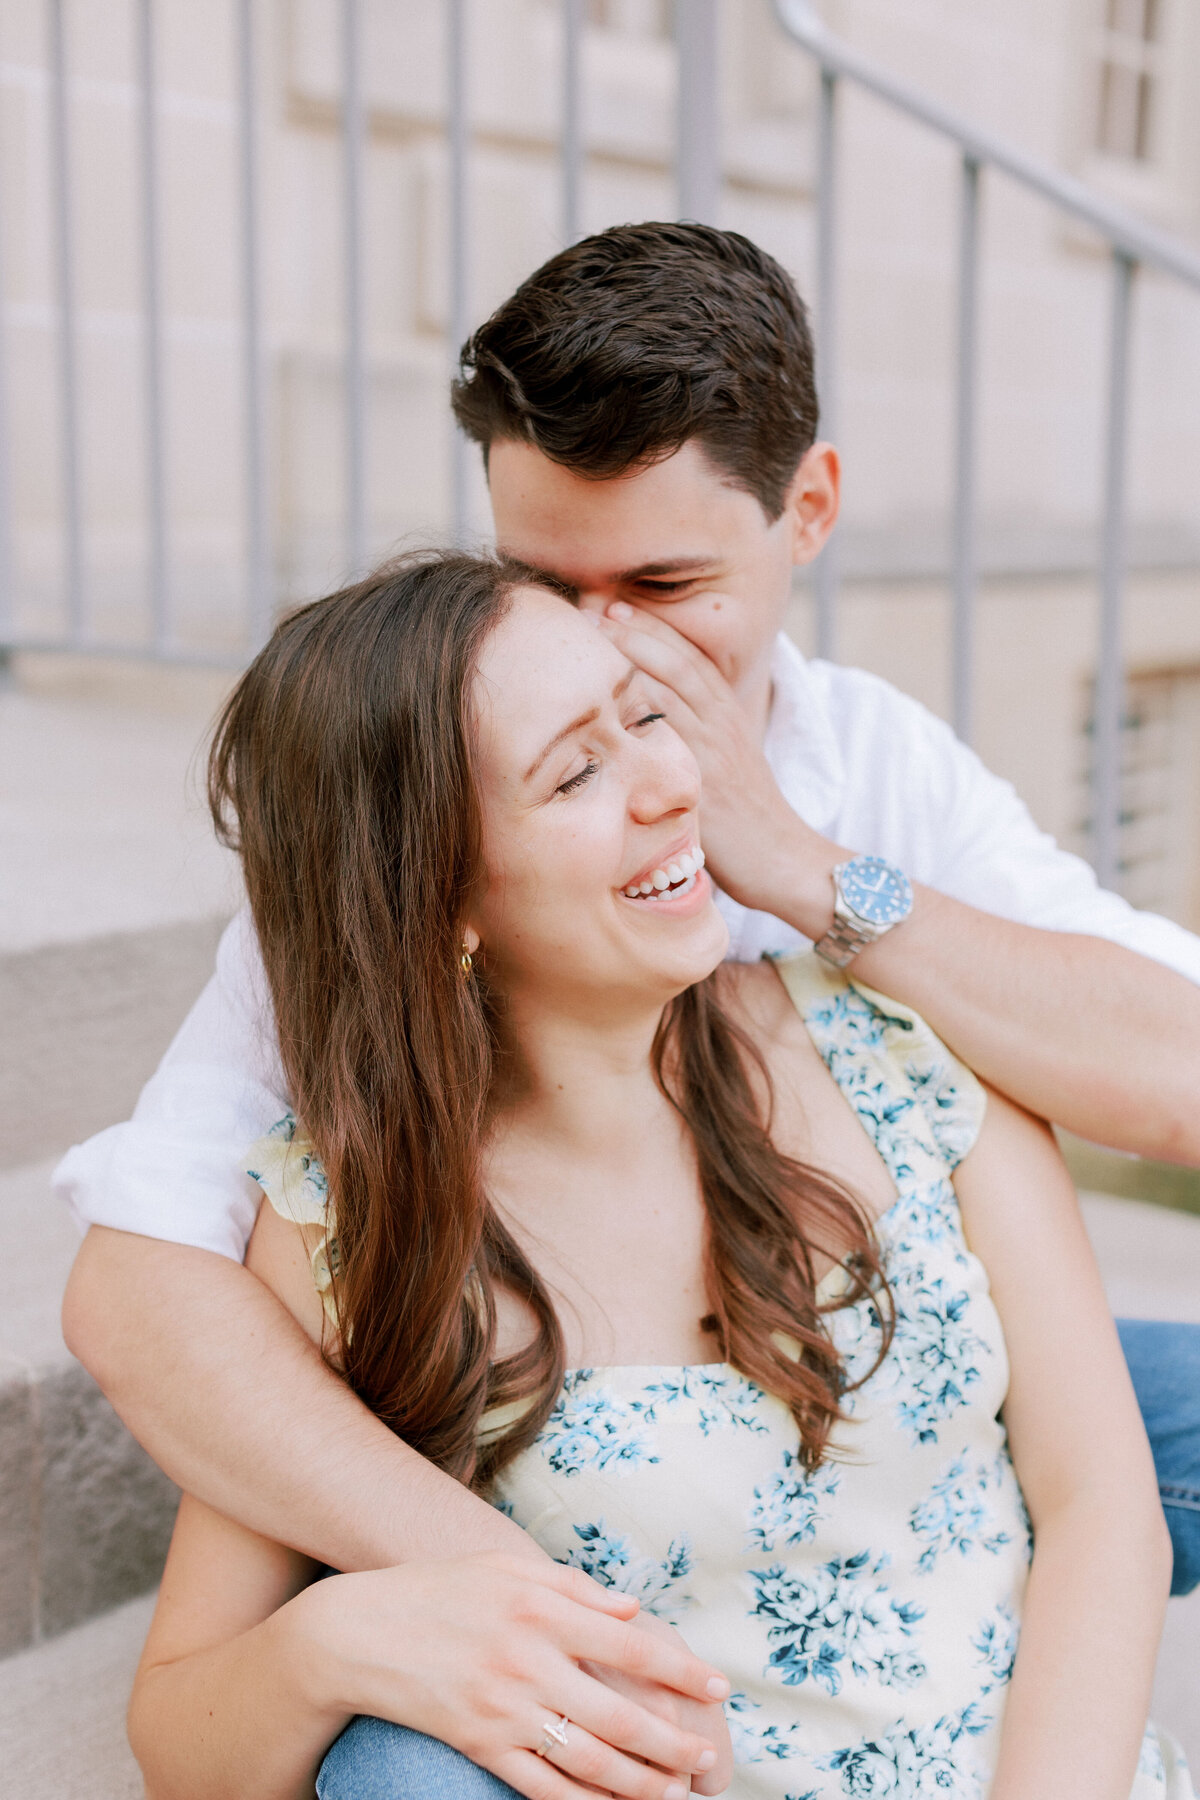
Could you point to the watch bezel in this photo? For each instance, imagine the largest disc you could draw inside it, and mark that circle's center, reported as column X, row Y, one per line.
column 845, row 905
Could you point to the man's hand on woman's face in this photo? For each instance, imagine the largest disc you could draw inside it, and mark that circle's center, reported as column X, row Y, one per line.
column 482, row 1651
column 752, row 839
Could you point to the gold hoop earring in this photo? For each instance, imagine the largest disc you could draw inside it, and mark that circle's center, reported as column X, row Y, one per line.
column 465, row 963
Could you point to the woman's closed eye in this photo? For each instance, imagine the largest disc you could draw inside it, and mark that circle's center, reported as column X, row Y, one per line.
column 585, row 774
column 577, row 781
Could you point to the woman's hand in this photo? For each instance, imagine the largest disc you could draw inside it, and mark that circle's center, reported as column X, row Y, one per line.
column 481, row 1651
column 705, row 1717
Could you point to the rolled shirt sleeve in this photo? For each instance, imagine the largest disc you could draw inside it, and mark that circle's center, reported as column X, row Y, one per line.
column 176, row 1169
column 959, row 828
column 889, row 778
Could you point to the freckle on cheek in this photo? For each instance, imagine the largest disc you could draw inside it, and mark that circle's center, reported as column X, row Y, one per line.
column 716, row 606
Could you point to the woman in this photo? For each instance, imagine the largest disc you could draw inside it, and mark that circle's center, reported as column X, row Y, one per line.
column 585, row 1216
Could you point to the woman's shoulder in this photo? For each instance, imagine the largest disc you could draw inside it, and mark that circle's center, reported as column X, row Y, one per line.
column 872, row 1043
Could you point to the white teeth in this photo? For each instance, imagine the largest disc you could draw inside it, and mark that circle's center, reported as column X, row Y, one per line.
column 676, row 873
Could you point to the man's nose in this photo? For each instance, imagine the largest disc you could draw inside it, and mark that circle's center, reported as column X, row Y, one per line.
column 593, row 600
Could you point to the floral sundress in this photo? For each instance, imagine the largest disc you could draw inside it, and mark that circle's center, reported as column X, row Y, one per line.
column 867, row 1615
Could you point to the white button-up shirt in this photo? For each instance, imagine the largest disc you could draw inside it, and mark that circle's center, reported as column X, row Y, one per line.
column 859, row 761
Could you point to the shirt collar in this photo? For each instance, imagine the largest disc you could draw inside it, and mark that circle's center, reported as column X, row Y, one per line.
column 800, row 743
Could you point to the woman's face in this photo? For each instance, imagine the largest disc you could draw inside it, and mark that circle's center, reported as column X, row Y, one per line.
column 590, row 806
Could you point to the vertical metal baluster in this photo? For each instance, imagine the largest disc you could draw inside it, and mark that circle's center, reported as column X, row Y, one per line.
column 8, row 595
column 258, row 538
column 1109, row 699
column 156, row 488
column 456, row 86
column 353, row 144
column 68, row 339
column 698, row 152
column 825, row 573
column 572, row 120
column 962, row 560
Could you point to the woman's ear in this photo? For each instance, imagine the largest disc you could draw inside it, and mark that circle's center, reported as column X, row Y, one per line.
column 812, row 501
column 470, row 940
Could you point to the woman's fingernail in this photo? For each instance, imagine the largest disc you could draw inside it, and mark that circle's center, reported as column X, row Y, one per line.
column 717, row 1688
column 706, row 1759
column 620, row 609
column 675, row 1790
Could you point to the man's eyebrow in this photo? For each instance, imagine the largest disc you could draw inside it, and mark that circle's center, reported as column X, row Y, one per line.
column 675, row 565
column 587, row 718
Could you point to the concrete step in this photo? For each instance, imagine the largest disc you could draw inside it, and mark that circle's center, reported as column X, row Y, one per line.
column 85, row 1516
column 62, row 1712
column 85, row 1024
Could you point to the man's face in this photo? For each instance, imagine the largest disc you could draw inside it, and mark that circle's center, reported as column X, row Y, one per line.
column 674, row 538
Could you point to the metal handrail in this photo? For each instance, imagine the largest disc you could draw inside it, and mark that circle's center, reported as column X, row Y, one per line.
column 1124, row 231
column 1131, row 243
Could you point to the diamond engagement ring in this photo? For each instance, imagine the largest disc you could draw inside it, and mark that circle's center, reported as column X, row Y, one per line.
column 553, row 1735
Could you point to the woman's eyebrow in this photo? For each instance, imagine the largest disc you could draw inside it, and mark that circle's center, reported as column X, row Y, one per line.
column 587, row 718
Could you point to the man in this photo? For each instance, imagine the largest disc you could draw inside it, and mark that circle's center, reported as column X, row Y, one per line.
column 646, row 408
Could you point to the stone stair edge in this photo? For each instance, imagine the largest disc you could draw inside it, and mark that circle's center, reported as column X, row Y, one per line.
column 85, row 1023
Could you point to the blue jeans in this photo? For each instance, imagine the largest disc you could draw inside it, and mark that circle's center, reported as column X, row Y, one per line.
column 1164, row 1360
column 373, row 1760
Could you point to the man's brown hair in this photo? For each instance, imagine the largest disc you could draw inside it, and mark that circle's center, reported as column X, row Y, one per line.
column 619, row 350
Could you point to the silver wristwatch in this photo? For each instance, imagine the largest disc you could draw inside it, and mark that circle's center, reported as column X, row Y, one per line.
column 870, row 897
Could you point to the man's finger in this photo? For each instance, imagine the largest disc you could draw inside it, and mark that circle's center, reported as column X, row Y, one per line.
column 667, row 655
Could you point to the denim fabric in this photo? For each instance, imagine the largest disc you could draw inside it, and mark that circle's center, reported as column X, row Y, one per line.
column 373, row 1760
column 1164, row 1360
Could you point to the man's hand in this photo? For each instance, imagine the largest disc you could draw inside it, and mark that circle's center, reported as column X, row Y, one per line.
column 705, row 1718
column 759, row 850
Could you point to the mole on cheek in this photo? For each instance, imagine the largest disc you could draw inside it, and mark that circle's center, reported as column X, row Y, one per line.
column 716, row 606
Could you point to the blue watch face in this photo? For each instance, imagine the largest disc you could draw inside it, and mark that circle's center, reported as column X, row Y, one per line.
column 876, row 890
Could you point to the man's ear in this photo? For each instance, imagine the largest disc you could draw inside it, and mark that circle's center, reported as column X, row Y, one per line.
column 812, row 501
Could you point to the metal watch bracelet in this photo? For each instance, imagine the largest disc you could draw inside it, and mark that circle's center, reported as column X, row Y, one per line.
column 842, row 942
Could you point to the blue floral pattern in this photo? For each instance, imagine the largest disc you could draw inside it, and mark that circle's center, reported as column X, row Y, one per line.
column 959, row 1512
column 841, row 1613
column 593, row 1429
column 791, row 1503
column 612, row 1559
column 907, row 1761
column 723, row 1400
column 996, row 1646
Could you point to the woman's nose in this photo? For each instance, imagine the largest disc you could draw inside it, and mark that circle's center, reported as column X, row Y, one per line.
column 666, row 778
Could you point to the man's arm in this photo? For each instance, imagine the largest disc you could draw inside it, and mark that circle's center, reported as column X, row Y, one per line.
column 1073, row 1027
column 216, row 1379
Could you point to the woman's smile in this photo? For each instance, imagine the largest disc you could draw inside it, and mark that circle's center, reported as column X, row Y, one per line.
column 677, row 889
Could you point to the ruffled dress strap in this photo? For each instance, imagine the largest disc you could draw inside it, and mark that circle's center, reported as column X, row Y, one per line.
column 290, row 1174
column 920, row 1105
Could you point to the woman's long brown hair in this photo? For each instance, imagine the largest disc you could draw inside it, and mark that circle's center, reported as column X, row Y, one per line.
column 341, row 772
